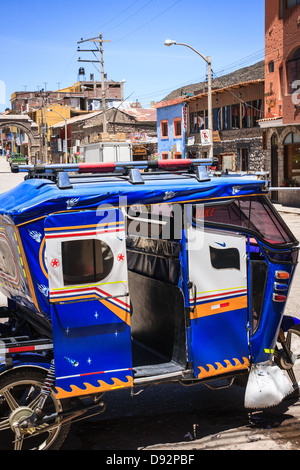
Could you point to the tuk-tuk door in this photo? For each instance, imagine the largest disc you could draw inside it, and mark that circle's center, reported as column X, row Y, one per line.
column 218, row 301
column 88, row 291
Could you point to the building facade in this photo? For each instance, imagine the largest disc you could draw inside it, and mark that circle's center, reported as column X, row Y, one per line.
column 237, row 101
column 81, row 96
column 134, row 125
column 171, row 128
column 281, row 123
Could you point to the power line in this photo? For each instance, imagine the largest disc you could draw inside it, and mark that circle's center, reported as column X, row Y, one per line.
column 115, row 16
column 196, row 80
column 129, row 17
column 149, row 21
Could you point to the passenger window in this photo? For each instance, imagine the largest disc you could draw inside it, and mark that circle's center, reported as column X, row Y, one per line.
column 86, row 261
column 228, row 258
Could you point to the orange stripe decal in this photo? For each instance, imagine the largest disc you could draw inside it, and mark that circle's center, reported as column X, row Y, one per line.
column 212, row 308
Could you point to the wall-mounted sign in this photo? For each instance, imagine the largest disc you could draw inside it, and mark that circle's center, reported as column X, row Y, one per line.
column 184, row 119
column 138, row 137
column 205, row 137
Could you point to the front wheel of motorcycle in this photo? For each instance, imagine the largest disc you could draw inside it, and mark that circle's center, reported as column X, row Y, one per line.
column 287, row 355
column 20, row 393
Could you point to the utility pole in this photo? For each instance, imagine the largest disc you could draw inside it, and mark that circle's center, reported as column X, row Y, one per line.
column 43, row 126
column 99, row 40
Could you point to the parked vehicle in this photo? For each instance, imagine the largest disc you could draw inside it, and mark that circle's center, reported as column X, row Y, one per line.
column 18, row 158
column 106, row 152
column 124, row 275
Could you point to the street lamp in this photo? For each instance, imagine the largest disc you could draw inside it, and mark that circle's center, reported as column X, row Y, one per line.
column 170, row 42
column 66, row 131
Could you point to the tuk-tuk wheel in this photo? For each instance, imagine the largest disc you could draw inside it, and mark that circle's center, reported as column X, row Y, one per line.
column 287, row 355
column 19, row 397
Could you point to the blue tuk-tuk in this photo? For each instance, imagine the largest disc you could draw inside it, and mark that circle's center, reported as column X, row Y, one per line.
column 123, row 275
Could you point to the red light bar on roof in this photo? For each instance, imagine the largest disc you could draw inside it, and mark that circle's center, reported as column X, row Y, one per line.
column 109, row 167
column 96, row 167
column 166, row 165
column 174, row 164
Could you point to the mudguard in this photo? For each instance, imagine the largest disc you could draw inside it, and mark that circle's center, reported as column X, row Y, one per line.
column 267, row 386
column 24, row 360
column 289, row 321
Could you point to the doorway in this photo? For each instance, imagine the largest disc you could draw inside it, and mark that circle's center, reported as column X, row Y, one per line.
column 274, row 166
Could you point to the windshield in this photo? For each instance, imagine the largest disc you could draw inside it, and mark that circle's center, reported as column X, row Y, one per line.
column 255, row 214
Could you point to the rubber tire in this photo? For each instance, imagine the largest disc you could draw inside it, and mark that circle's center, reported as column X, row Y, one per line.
column 36, row 375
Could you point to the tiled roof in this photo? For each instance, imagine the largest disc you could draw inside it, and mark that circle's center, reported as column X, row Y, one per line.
column 142, row 114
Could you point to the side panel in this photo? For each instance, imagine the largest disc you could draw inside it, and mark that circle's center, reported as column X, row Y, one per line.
column 15, row 277
column 219, row 302
column 88, row 292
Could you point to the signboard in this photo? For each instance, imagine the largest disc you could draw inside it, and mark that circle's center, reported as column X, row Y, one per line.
column 216, row 136
column 191, row 140
column 184, row 119
column 205, row 137
column 138, row 137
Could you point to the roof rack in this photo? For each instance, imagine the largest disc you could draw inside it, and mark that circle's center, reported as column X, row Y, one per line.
column 60, row 172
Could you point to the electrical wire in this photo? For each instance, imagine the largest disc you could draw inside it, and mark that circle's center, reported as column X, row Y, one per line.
column 129, row 17
column 149, row 21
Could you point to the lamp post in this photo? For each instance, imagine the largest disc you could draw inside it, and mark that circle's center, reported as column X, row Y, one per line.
column 66, row 132
column 170, row 42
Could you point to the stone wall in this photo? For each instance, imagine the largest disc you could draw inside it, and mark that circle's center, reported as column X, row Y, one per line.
column 118, row 123
column 233, row 141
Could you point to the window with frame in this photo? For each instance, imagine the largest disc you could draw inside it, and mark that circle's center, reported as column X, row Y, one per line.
column 217, row 119
column 86, row 261
column 177, row 154
column 197, row 122
column 246, row 115
column 281, row 89
column 228, row 258
column 226, row 118
column 271, row 66
column 177, row 126
column 292, row 3
column 165, row 155
column 254, row 214
column 193, row 123
column 281, row 9
column 235, row 116
column 257, row 112
column 293, row 70
column 164, row 129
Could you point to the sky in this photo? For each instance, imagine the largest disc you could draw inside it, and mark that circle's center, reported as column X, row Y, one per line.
column 39, row 42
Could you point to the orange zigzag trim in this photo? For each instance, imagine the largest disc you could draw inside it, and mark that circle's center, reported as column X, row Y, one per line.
column 221, row 369
column 90, row 389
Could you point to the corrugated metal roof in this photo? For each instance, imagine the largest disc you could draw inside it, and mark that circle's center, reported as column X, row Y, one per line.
column 77, row 118
column 238, row 77
column 141, row 114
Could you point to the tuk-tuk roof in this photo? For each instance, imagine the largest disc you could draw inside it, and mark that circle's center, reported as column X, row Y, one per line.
column 35, row 198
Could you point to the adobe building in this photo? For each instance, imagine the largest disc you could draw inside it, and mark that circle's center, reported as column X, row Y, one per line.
column 132, row 124
column 84, row 95
column 281, row 123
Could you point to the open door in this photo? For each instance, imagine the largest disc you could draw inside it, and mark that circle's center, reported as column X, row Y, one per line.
column 88, row 291
column 218, row 300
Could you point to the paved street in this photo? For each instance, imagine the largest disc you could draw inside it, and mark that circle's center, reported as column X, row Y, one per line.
column 185, row 418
